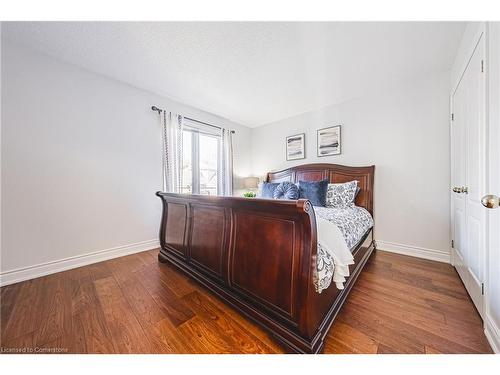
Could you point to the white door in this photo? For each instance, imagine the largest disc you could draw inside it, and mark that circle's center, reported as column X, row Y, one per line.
column 469, row 175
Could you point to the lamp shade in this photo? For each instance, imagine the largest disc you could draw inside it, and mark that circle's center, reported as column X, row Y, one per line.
column 251, row 182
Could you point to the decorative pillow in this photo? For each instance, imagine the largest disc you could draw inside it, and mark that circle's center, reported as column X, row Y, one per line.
column 268, row 189
column 341, row 195
column 315, row 191
column 286, row 190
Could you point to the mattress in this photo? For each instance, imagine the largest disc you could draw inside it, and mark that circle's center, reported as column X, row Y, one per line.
column 339, row 232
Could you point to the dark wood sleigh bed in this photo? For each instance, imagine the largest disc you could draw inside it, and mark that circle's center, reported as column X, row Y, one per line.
column 259, row 255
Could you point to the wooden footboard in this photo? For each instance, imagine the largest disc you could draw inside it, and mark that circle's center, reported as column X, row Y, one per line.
column 259, row 256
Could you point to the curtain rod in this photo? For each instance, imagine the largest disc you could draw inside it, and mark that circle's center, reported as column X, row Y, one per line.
column 159, row 110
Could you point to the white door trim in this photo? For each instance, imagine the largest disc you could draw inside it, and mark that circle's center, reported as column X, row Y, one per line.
column 492, row 280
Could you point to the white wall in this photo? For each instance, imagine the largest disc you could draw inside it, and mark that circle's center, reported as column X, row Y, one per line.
column 81, row 161
column 405, row 134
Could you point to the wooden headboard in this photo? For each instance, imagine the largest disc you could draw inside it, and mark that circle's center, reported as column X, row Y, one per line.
column 335, row 174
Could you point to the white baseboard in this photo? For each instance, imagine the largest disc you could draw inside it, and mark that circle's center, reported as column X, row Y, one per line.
column 492, row 333
column 31, row 272
column 414, row 251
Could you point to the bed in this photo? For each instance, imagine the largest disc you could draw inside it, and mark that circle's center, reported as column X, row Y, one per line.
column 261, row 255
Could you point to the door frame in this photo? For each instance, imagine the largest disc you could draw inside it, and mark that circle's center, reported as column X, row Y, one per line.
column 480, row 33
column 491, row 327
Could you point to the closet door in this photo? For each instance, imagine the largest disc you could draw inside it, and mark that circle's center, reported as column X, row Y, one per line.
column 469, row 177
column 458, row 167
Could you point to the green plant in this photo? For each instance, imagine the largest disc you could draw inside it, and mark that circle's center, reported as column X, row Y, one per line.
column 249, row 194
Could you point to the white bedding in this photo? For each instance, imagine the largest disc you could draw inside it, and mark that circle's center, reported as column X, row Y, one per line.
column 339, row 231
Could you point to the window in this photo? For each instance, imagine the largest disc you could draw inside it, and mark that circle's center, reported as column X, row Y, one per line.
column 187, row 162
column 200, row 159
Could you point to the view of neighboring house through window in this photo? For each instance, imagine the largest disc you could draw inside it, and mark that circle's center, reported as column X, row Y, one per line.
column 200, row 159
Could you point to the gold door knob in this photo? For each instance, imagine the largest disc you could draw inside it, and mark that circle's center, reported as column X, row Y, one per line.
column 490, row 201
column 461, row 190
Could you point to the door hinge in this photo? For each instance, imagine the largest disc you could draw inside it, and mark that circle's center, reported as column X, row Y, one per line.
column 452, row 244
column 452, row 117
column 482, row 289
column 482, row 66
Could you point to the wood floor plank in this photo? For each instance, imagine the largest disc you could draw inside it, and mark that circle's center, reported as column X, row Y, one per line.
column 243, row 341
column 24, row 317
column 425, row 294
column 393, row 258
column 380, row 329
column 142, row 303
column 124, row 268
column 92, row 272
column 400, row 305
column 126, row 332
column 352, row 338
column 423, row 283
column 55, row 312
column 148, row 257
column 203, row 338
column 244, row 322
column 334, row 346
column 431, row 350
column 8, row 299
column 175, row 309
column 91, row 333
column 177, row 281
column 135, row 304
column 171, row 335
column 415, row 332
column 385, row 349
column 450, row 278
column 407, row 319
column 463, row 311
column 148, row 313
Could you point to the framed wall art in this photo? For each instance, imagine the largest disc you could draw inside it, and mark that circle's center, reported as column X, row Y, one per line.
column 295, row 147
column 329, row 141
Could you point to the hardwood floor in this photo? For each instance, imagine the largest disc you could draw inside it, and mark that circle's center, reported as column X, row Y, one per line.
column 134, row 304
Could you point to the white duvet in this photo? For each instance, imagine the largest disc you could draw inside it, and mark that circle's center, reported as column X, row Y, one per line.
column 339, row 231
column 330, row 239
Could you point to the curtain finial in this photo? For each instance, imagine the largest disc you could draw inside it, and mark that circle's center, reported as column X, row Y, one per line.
column 156, row 109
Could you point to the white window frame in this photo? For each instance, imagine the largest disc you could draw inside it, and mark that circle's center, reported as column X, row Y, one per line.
column 194, row 128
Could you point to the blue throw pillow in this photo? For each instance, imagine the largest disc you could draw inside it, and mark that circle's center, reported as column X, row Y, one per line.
column 286, row 190
column 268, row 189
column 315, row 191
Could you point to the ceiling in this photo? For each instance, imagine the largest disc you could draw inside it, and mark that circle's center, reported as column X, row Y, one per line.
column 252, row 73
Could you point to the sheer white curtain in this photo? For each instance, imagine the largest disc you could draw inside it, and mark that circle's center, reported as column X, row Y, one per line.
column 172, row 152
column 226, row 163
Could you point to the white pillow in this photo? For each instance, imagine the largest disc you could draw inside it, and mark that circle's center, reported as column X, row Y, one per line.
column 341, row 195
